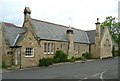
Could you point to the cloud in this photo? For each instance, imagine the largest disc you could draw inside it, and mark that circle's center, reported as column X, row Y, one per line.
column 12, row 11
column 82, row 12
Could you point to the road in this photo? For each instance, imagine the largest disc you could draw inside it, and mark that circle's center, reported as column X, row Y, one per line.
column 99, row 69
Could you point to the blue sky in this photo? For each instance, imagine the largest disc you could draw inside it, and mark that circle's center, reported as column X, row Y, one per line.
column 80, row 14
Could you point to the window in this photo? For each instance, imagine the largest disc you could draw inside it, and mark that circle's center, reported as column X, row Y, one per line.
column 52, row 48
column 29, row 52
column 45, row 47
column 48, row 48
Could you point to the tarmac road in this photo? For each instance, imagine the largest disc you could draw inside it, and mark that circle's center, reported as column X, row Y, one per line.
column 99, row 69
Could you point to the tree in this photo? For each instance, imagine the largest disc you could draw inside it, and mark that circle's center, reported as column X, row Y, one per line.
column 114, row 27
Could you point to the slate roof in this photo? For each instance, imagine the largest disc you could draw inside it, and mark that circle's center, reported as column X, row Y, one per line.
column 91, row 36
column 51, row 31
column 11, row 32
column 48, row 31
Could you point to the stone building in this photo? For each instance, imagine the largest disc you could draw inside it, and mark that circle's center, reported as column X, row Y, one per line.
column 41, row 39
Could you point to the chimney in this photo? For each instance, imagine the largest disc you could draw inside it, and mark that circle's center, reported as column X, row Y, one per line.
column 97, row 39
column 27, row 13
column 98, row 29
column 70, row 38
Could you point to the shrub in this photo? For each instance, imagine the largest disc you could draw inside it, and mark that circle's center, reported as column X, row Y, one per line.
column 3, row 65
column 56, row 60
column 83, row 58
column 117, row 53
column 86, row 55
column 60, row 56
column 78, row 58
column 45, row 61
column 72, row 59
column 113, row 51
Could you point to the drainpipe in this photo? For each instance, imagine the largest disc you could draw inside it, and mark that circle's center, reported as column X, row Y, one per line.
column 89, row 48
column 20, row 58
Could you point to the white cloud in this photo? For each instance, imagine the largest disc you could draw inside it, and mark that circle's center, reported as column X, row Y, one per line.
column 82, row 12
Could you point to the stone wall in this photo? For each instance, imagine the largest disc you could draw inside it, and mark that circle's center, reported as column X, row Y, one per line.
column 93, row 53
column 106, row 45
column 6, row 52
column 82, row 48
column 39, row 50
column 30, row 42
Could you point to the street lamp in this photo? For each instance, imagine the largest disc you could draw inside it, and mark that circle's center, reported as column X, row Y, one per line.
column 20, row 52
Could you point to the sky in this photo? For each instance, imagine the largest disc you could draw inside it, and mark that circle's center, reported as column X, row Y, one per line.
column 80, row 14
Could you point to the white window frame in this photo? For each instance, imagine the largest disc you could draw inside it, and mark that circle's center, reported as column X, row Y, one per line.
column 31, row 51
column 52, row 48
column 49, row 48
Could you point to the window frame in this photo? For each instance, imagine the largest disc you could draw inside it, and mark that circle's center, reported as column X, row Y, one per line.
column 45, row 48
column 29, row 50
column 49, row 48
column 52, row 48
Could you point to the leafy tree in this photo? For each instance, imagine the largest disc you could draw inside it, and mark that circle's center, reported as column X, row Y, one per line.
column 114, row 27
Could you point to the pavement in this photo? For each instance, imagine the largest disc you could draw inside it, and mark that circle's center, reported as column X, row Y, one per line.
column 5, row 70
column 80, row 61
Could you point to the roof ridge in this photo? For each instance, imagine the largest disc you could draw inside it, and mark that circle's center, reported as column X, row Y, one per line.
column 57, row 24
column 78, row 29
column 50, row 23
column 89, row 30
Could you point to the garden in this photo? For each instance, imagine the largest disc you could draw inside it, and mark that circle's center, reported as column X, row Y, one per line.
column 60, row 57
